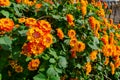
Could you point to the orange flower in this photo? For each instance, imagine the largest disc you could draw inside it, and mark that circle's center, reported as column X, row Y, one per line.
column 111, row 38
column 37, row 48
column 30, row 22
column 60, row 33
column 105, row 5
column 4, row 2
column 84, row 10
column 112, row 68
column 105, row 39
column 6, row 24
column 92, row 22
column 38, row 6
column 21, row 20
column 93, row 55
column 18, row 69
column 106, row 61
column 107, row 50
column 117, row 63
column 71, row 33
column 29, row 2
column 35, row 34
column 73, row 42
column 118, row 25
column 73, row 53
column 88, row 68
column 70, row 18
column 33, row 64
column 80, row 46
column 18, row 1
column 26, row 49
column 47, row 40
column 44, row 26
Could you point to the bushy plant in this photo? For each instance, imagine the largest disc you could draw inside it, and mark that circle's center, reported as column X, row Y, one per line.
column 58, row 40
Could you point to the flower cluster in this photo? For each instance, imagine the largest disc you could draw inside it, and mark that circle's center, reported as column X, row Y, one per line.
column 4, row 2
column 6, row 24
column 84, row 7
column 33, row 64
column 77, row 46
column 38, row 35
column 70, row 19
column 18, row 68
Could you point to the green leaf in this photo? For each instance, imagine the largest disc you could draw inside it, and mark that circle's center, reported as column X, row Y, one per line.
column 0, row 76
column 62, row 62
column 53, row 53
column 54, row 78
column 5, row 42
column 51, row 71
column 22, row 32
column 40, row 76
column 5, row 13
column 28, row 59
column 52, row 60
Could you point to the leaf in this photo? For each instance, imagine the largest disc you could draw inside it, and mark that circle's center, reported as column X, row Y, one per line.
column 40, row 76
column 62, row 62
column 54, row 78
column 22, row 32
column 28, row 59
column 51, row 71
column 5, row 13
column 52, row 60
column 5, row 42
column 94, row 43
column 0, row 76
column 53, row 53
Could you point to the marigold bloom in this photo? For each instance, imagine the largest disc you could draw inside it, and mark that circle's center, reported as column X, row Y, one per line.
column 33, row 64
column 107, row 50
column 35, row 34
column 30, row 22
column 106, row 61
column 105, row 5
column 112, row 68
column 6, row 24
column 73, row 53
column 70, row 18
column 38, row 6
column 73, row 42
column 111, row 40
column 18, row 69
column 21, row 20
column 4, row 2
column 92, row 22
column 47, row 40
column 44, row 26
column 117, row 63
column 29, row 2
column 37, row 48
column 93, row 55
column 101, row 13
column 80, row 46
column 84, row 10
column 105, row 39
column 88, row 68
column 18, row 1
column 99, row 4
column 83, row 3
column 71, row 33
column 26, row 49
column 60, row 33
column 118, row 25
